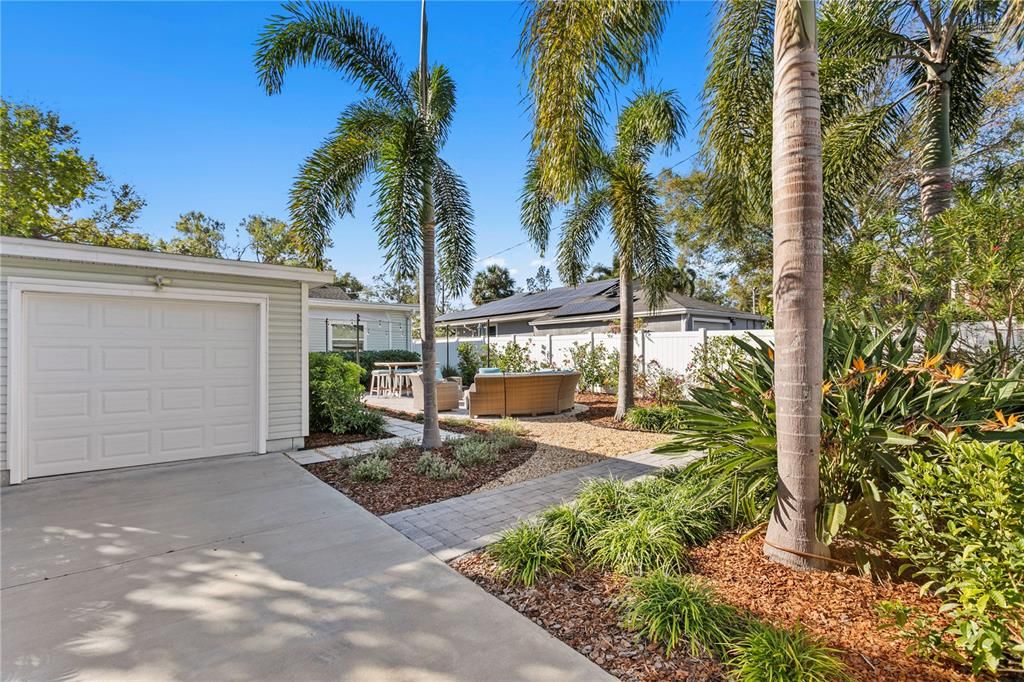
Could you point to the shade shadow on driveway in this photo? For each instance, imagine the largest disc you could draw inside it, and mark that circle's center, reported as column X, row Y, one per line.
column 241, row 568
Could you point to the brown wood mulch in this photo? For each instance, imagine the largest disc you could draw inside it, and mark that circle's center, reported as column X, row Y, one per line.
column 405, row 488
column 321, row 439
column 601, row 410
column 840, row 608
column 453, row 424
column 580, row 609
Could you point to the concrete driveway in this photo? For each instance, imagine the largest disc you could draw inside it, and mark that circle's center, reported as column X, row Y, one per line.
column 241, row 568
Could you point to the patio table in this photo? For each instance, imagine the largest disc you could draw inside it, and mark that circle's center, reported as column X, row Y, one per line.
column 393, row 368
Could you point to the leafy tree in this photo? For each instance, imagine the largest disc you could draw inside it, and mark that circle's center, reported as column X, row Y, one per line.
column 982, row 240
column 600, row 272
column 388, row 289
column 351, row 284
column 492, row 283
column 617, row 189
column 43, row 173
column 273, row 241
column 199, row 235
column 797, row 238
column 423, row 211
column 539, row 282
column 111, row 224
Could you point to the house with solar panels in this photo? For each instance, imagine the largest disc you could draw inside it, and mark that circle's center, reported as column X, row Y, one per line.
column 592, row 307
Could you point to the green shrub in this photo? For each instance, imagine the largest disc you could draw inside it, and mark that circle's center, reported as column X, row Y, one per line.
column 513, row 357
column 888, row 390
column 575, row 523
column 767, row 654
column 710, row 358
column 598, row 366
column 657, row 419
column 959, row 522
column 509, row 426
column 432, row 465
column 640, row 543
column 531, row 550
column 334, row 391
column 694, row 516
column 368, row 358
column 666, row 609
column 662, row 385
column 371, row 469
column 384, row 451
column 604, row 499
column 469, row 362
column 471, row 452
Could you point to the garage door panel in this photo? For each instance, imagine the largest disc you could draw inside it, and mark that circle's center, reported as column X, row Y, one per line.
column 120, row 387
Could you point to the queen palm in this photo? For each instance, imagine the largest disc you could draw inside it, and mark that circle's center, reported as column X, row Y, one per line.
column 893, row 72
column 395, row 134
column 616, row 189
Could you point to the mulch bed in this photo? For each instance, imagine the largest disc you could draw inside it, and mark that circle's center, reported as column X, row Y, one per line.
column 579, row 609
column 602, row 410
column 322, row 439
column 838, row 607
column 405, row 488
column 453, row 424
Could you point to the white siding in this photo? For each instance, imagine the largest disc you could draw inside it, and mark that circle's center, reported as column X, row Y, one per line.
column 285, row 319
column 384, row 330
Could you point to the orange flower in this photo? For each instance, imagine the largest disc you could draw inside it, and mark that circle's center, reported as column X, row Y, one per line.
column 931, row 361
column 859, row 365
column 955, row 371
column 1003, row 422
column 826, row 387
column 771, row 355
column 881, row 377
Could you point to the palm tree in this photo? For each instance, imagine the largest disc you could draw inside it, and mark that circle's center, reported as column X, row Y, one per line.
column 618, row 189
column 943, row 51
column 797, row 282
column 396, row 134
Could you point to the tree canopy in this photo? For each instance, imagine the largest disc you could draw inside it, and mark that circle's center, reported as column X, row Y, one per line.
column 492, row 283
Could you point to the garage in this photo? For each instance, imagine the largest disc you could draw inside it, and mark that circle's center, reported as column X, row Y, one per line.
column 122, row 358
column 115, row 382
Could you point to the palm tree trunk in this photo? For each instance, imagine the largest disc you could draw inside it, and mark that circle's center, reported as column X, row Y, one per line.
column 936, row 168
column 797, row 264
column 431, row 428
column 625, row 389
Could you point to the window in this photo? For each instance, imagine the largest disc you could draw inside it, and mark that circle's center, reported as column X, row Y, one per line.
column 343, row 336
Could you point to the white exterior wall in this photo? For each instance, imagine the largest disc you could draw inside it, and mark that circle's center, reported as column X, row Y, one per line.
column 285, row 380
column 384, row 330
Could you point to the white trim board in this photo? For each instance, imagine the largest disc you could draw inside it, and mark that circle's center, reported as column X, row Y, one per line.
column 102, row 255
column 17, row 455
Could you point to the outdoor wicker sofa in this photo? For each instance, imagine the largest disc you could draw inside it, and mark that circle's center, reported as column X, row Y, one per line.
column 528, row 394
column 449, row 393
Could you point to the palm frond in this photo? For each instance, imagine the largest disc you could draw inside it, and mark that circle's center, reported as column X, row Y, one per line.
column 642, row 241
column 455, row 237
column 535, row 207
column 652, row 118
column 582, row 225
column 574, row 52
column 440, row 101
column 326, row 188
column 328, row 35
column 405, row 162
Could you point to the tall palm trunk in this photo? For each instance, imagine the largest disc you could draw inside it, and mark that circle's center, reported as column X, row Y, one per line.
column 625, row 390
column 936, row 167
column 431, row 429
column 797, row 264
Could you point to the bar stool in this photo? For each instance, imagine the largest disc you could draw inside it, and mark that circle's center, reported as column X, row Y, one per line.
column 380, row 382
column 403, row 381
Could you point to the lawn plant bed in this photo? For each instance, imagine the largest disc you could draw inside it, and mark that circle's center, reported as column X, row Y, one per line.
column 601, row 410
column 582, row 609
column 323, row 439
column 453, row 424
column 405, row 488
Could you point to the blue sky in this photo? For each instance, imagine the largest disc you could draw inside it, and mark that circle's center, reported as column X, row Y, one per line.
column 165, row 97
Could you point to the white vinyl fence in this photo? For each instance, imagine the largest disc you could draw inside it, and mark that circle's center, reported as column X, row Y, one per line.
column 671, row 350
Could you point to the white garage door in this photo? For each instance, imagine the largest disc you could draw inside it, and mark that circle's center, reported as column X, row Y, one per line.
column 114, row 382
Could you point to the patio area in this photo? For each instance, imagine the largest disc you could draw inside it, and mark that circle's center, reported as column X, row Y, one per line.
column 404, row 404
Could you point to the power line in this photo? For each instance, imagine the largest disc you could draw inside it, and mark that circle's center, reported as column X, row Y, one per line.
column 498, row 253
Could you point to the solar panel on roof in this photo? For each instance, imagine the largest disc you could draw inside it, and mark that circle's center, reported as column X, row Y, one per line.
column 587, row 307
column 525, row 303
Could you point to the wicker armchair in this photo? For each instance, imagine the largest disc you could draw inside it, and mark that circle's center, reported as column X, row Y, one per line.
column 528, row 394
column 449, row 393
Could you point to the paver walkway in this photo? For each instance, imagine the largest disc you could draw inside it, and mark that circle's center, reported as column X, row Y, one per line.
column 453, row 527
column 400, row 429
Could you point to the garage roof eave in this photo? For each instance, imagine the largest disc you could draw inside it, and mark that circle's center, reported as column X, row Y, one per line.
column 104, row 255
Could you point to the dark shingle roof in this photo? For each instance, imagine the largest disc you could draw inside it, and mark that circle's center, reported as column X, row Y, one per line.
column 330, row 292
